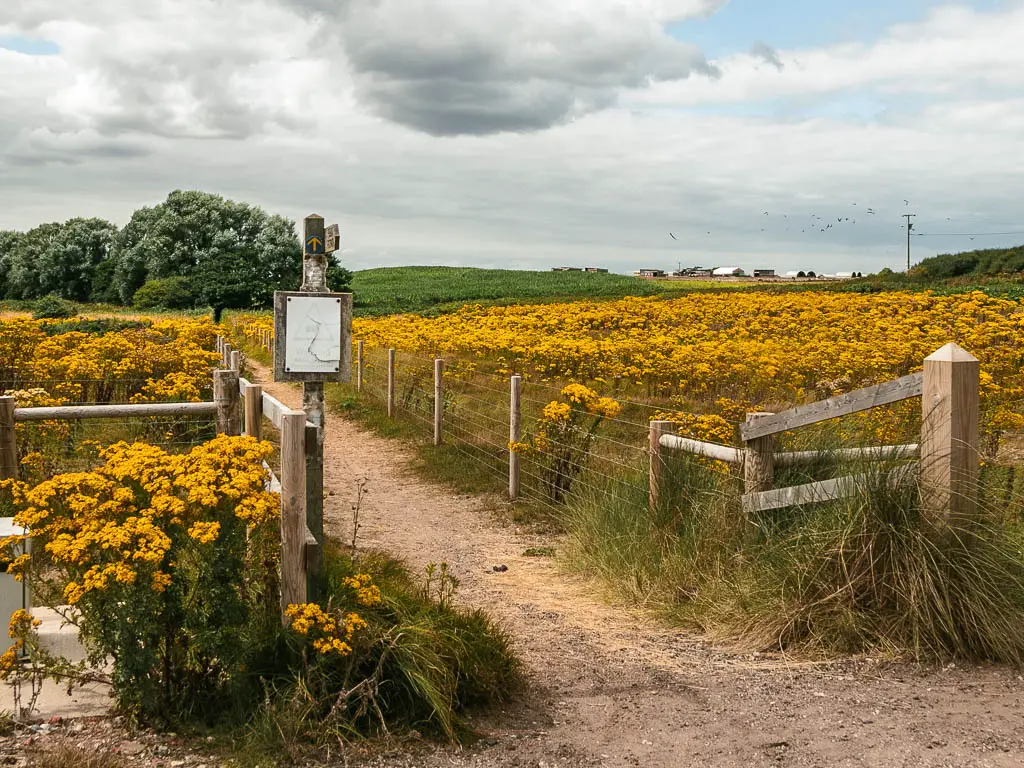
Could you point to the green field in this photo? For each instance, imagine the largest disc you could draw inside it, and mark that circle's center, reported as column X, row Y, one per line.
column 419, row 289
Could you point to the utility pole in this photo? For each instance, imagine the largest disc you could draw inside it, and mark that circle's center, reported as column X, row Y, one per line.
column 910, row 226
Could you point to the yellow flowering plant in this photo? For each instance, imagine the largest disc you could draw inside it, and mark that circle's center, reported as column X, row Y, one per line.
column 164, row 561
column 563, row 437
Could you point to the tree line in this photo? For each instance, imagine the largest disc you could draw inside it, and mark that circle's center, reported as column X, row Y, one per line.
column 988, row 261
column 193, row 250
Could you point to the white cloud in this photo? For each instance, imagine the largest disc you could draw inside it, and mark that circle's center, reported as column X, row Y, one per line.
column 604, row 142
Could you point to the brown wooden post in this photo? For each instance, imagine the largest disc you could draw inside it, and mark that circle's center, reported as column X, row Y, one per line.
column 515, row 434
column 438, row 399
column 9, row 469
column 656, row 480
column 226, row 396
column 254, row 410
column 359, row 366
column 949, row 434
column 225, row 356
column 314, row 503
column 217, row 342
column 293, row 509
column 759, row 460
column 235, row 363
column 391, row 383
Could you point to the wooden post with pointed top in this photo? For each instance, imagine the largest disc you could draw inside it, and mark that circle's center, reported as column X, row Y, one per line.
column 314, row 280
column 949, row 435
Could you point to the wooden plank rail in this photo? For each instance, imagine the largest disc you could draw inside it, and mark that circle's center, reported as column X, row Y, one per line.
column 876, row 453
column 709, row 450
column 121, row 411
column 840, row 405
column 274, row 409
column 814, row 493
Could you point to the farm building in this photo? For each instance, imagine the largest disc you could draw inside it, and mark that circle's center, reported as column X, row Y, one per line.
column 650, row 273
column 692, row 272
column 727, row 272
column 600, row 270
column 764, row 273
column 566, row 269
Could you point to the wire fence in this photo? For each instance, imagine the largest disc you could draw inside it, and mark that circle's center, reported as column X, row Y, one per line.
column 476, row 426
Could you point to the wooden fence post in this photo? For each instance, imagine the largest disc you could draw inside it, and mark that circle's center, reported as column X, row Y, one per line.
column 235, row 364
column 759, row 460
column 949, row 434
column 438, row 399
column 391, row 383
column 218, row 344
column 515, row 434
column 226, row 396
column 359, row 366
column 8, row 442
column 225, row 356
column 656, row 479
column 314, row 517
column 293, row 509
column 254, row 410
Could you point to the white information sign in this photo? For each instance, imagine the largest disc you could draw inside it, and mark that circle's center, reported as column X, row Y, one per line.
column 313, row 336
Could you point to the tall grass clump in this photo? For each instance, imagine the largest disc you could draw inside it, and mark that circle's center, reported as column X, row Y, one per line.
column 422, row 664
column 870, row 573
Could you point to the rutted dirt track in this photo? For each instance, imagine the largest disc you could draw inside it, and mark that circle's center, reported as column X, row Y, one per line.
column 608, row 687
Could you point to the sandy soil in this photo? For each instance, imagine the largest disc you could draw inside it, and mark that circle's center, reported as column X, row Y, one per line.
column 610, row 687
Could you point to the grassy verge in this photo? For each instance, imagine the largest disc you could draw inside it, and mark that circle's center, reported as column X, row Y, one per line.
column 431, row 663
column 865, row 574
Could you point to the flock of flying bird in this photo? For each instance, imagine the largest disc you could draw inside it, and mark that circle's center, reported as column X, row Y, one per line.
column 820, row 223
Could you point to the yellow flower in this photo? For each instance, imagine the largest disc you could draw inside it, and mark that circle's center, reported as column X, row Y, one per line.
column 204, row 533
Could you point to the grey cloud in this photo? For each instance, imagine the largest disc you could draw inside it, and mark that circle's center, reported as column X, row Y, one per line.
column 519, row 66
column 767, row 54
column 46, row 148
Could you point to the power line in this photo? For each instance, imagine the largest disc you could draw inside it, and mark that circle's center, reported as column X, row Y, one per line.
column 966, row 234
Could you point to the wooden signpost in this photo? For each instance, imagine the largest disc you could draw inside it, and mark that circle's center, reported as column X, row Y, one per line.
column 313, row 344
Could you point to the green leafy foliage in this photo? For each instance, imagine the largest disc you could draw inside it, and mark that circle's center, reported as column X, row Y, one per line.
column 168, row 293
column 55, row 307
column 61, row 259
column 233, row 254
column 989, row 261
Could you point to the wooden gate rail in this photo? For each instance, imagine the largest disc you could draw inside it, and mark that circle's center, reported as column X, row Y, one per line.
column 75, row 412
column 840, row 405
column 949, row 456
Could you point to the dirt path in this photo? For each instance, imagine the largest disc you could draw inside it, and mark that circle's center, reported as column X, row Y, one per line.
column 608, row 687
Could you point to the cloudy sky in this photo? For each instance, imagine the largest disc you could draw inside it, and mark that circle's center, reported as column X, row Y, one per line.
column 529, row 134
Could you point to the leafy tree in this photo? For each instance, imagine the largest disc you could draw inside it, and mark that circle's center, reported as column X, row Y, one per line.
column 59, row 259
column 9, row 241
column 23, row 272
column 233, row 254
